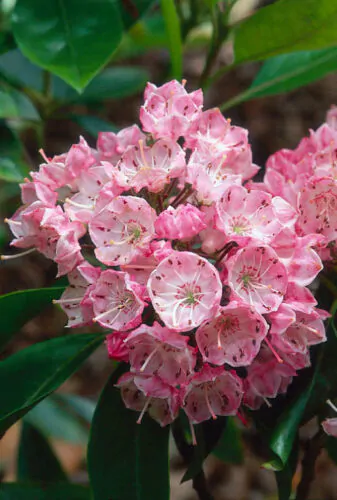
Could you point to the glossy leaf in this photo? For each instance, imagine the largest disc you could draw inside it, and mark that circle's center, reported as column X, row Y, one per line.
column 115, row 83
column 64, row 491
column 29, row 303
column 29, row 375
column 93, row 124
column 288, row 72
column 54, row 419
column 36, row 459
column 172, row 24
column 284, row 478
column 126, row 460
column 286, row 26
column 7, row 105
column 71, row 38
column 229, row 448
column 12, row 167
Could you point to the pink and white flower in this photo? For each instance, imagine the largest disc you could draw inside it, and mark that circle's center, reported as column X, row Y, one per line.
column 185, row 290
column 234, row 336
column 181, row 223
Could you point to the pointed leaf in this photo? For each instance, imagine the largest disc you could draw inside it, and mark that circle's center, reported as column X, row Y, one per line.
column 173, row 31
column 36, row 459
column 64, row 491
column 286, row 26
column 29, row 375
column 126, row 460
column 287, row 72
column 29, row 303
column 229, row 448
column 71, row 38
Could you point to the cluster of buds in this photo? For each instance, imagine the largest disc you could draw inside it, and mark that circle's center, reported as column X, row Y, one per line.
column 198, row 274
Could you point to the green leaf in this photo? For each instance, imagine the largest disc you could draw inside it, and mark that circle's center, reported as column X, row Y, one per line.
column 29, row 375
column 284, row 478
column 29, row 303
column 115, row 83
column 7, row 106
column 71, row 38
column 36, row 459
column 18, row 491
column 229, row 448
column 287, row 72
column 54, row 419
column 132, row 10
column 24, row 106
column 286, row 26
column 83, row 407
column 12, row 167
column 93, row 124
column 172, row 24
column 126, row 460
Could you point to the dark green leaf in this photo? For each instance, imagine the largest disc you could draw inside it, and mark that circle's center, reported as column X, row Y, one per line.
column 284, row 478
column 12, row 167
column 173, row 31
column 288, row 72
column 93, row 125
column 30, row 375
column 286, row 26
column 115, row 83
column 54, row 419
column 229, row 448
column 71, row 38
column 126, row 460
column 36, row 459
column 132, row 10
column 17, row 491
column 7, row 106
column 24, row 107
column 28, row 303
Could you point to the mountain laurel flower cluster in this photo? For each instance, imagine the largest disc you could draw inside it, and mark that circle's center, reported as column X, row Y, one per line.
column 198, row 274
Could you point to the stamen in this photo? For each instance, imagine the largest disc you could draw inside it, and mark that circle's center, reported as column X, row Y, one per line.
column 100, row 316
column 147, row 361
column 193, row 436
column 79, row 205
column 280, row 360
column 219, row 340
column 17, row 255
column 267, row 402
column 330, row 403
column 147, row 402
column 210, row 409
column 142, row 154
column 10, row 221
column 67, row 301
column 44, row 156
column 242, row 418
column 137, row 266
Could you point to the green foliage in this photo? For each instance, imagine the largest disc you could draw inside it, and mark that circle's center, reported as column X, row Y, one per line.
column 48, row 364
column 286, row 26
column 173, row 32
column 29, row 303
column 36, row 459
column 71, row 38
column 12, row 167
column 93, row 125
column 287, row 72
column 229, row 448
column 126, row 460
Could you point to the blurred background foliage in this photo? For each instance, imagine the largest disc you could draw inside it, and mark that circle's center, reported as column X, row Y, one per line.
column 70, row 67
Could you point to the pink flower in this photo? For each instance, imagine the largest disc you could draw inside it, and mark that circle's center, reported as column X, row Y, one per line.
column 117, row 350
column 185, row 290
column 141, row 393
column 318, row 208
column 234, row 336
column 152, row 166
column 117, row 301
column 122, row 230
column 181, row 223
column 212, row 392
column 245, row 216
column 162, row 352
column 330, row 426
column 331, row 117
column 258, row 277
column 169, row 110
column 111, row 146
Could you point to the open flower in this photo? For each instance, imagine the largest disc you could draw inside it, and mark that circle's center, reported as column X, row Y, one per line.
column 185, row 290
